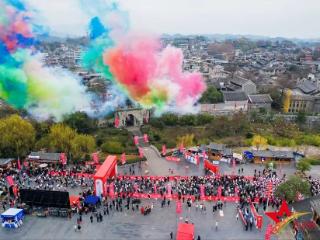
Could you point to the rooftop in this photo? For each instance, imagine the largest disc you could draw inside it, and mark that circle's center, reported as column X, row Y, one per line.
column 307, row 87
column 5, row 161
column 260, row 98
column 273, row 154
column 240, row 81
column 44, row 156
column 234, row 96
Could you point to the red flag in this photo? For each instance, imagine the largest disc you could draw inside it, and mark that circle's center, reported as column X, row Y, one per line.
column 95, row 158
column 141, row 152
column 145, row 138
column 164, row 150
column 10, row 180
column 123, row 158
column 136, row 140
column 63, row 158
column 116, row 122
column 19, row 164
column 178, row 207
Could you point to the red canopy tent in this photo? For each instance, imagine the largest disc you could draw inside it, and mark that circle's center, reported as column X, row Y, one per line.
column 185, row 231
column 211, row 167
column 74, row 200
column 107, row 170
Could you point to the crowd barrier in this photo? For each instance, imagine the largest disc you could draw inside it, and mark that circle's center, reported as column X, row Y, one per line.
column 172, row 178
column 65, row 173
column 176, row 197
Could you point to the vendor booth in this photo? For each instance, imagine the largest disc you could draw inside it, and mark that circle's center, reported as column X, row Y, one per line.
column 91, row 200
column 12, row 218
column 185, row 231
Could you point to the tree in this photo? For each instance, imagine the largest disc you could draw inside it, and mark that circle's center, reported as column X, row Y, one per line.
column 211, row 95
column 301, row 118
column 81, row 122
column 81, row 145
column 203, row 119
column 60, row 138
column 187, row 140
column 187, row 120
column 259, row 141
column 288, row 190
column 303, row 166
column 17, row 136
column 170, row 119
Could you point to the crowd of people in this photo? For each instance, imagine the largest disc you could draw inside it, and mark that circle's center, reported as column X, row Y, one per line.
column 224, row 186
column 188, row 189
column 315, row 186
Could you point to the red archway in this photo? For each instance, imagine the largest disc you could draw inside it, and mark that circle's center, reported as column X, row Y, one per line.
column 107, row 170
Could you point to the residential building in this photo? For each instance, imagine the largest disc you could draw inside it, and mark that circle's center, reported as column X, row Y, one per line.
column 259, row 101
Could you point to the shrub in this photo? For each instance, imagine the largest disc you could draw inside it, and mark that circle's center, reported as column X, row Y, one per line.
column 249, row 135
column 289, row 189
column 112, row 147
column 303, row 166
column 170, row 119
column 157, row 123
column 311, row 161
column 187, row 120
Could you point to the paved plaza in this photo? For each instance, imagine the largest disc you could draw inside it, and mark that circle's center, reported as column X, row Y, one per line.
column 133, row 225
column 158, row 224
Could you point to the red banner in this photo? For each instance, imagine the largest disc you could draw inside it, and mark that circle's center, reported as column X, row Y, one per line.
column 176, row 197
column 171, row 178
column 268, row 232
column 64, row 173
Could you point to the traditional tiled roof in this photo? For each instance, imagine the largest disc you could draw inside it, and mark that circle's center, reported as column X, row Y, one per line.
column 260, row 98
column 234, row 96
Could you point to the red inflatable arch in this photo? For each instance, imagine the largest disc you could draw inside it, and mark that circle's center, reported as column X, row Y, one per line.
column 107, row 170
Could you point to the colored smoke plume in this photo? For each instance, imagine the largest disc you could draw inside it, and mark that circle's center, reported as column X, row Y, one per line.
column 153, row 76
column 138, row 64
column 24, row 81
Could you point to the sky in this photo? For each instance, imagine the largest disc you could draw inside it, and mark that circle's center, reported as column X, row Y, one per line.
column 273, row 18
